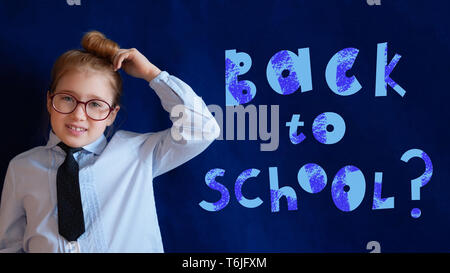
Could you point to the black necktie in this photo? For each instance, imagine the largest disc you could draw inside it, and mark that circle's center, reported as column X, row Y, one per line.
column 70, row 210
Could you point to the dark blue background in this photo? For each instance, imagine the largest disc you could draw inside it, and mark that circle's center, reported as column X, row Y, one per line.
column 189, row 39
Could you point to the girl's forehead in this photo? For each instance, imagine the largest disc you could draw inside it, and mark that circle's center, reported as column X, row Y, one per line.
column 85, row 83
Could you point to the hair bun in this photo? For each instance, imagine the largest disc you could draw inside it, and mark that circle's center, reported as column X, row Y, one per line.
column 96, row 43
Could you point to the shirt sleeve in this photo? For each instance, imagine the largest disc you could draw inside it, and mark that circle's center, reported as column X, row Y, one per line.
column 12, row 216
column 193, row 126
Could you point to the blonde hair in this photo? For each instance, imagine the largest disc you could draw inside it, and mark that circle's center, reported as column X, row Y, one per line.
column 97, row 55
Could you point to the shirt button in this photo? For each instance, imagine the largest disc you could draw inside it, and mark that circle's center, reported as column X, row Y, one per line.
column 72, row 247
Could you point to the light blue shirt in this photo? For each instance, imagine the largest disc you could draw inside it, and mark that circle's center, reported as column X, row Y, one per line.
column 116, row 182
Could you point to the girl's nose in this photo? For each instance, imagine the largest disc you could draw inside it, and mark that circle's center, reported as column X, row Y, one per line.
column 79, row 112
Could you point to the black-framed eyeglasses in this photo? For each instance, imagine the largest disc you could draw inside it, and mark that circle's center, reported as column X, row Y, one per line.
column 95, row 109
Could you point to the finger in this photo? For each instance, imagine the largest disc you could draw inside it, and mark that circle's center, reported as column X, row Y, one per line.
column 121, row 59
column 116, row 57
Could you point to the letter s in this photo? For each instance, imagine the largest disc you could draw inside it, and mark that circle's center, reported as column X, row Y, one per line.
column 213, row 184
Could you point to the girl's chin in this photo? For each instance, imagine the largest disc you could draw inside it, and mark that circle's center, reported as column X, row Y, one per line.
column 75, row 144
column 75, row 141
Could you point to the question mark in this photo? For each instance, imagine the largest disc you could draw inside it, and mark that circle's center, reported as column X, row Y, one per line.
column 420, row 181
column 374, row 246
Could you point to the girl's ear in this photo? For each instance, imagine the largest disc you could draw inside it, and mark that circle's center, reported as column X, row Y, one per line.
column 112, row 116
column 49, row 103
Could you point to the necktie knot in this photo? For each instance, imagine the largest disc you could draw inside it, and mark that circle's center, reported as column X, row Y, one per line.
column 68, row 149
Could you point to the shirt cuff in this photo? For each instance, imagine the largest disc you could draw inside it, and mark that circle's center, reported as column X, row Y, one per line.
column 156, row 82
column 169, row 89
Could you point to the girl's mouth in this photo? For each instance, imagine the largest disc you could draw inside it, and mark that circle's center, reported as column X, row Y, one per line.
column 77, row 131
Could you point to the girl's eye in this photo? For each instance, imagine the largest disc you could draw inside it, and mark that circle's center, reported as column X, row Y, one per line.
column 95, row 104
column 67, row 98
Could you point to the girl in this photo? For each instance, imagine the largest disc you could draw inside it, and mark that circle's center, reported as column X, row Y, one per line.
column 99, row 197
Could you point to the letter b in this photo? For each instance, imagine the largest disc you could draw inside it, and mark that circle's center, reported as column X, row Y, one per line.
column 237, row 92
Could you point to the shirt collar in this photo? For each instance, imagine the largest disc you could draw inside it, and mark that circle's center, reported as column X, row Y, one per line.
column 95, row 147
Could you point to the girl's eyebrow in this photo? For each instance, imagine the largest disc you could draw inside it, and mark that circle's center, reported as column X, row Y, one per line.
column 73, row 93
column 65, row 90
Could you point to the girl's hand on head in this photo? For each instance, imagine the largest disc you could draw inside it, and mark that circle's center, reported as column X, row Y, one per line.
column 135, row 64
